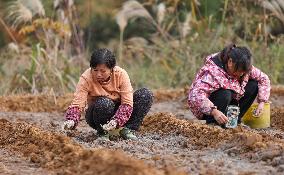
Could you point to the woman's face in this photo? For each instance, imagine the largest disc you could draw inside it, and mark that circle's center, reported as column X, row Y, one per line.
column 231, row 70
column 101, row 73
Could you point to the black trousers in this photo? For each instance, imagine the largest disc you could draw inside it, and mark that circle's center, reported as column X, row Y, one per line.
column 223, row 97
column 103, row 109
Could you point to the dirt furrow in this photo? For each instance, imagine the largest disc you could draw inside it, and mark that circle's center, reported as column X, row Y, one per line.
column 169, row 140
column 59, row 153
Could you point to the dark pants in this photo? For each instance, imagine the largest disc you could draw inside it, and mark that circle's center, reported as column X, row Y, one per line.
column 224, row 97
column 103, row 109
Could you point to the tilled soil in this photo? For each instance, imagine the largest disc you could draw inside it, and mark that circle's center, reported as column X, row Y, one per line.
column 9, row 160
column 170, row 141
column 60, row 154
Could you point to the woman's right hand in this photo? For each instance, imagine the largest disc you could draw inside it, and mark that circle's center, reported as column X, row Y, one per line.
column 111, row 125
column 219, row 116
column 68, row 125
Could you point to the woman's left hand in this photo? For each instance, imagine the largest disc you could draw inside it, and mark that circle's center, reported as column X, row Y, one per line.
column 111, row 125
column 259, row 109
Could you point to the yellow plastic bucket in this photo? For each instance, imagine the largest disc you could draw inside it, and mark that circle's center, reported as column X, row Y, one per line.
column 261, row 121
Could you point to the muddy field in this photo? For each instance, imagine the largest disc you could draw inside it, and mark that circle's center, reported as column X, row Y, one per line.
column 170, row 141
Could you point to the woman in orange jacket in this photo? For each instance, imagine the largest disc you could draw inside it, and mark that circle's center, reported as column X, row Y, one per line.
column 106, row 90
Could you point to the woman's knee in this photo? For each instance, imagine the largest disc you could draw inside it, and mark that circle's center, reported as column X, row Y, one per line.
column 227, row 95
column 224, row 94
column 103, row 104
column 251, row 87
column 143, row 95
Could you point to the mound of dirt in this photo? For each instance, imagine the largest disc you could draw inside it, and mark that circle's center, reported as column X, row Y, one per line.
column 52, row 103
column 60, row 154
column 277, row 118
column 277, row 89
column 250, row 144
column 35, row 103
column 200, row 135
column 168, row 94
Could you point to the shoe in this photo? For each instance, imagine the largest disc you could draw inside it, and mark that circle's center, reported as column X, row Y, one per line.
column 104, row 136
column 127, row 134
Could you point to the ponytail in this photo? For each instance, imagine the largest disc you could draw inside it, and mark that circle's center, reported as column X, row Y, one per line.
column 224, row 55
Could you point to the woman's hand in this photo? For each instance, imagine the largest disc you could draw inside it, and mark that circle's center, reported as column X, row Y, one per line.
column 68, row 125
column 111, row 125
column 258, row 110
column 219, row 116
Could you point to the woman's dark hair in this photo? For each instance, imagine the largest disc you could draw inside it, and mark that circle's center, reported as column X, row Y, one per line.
column 240, row 56
column 103, row 56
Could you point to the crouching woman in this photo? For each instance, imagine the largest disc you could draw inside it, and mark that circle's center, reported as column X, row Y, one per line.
column 106, row 90
column 227, row 78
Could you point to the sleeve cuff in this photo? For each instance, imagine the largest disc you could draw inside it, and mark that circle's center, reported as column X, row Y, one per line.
column 262, row 100
column 123, row 114
column 73, row 113
column 208, row 110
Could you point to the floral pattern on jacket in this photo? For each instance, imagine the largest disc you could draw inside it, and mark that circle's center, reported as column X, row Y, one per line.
column 211, row 77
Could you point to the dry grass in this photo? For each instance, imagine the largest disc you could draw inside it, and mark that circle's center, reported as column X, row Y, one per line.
column 22, row 12
column 276, row 7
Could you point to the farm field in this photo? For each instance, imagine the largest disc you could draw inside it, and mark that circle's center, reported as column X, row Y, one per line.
column 170, row 141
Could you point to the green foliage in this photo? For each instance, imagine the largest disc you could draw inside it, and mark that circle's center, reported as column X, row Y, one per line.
column 165, row 52
column 41, row 74
column 270, row 60
column 101, row 30
column 2, row 39
column 176, row 66
column 209, row 7
column 170, row 68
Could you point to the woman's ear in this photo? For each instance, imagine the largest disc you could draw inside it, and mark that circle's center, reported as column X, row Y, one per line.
column 230, row 63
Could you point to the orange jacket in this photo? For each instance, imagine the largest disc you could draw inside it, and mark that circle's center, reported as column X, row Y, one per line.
column 117, row 88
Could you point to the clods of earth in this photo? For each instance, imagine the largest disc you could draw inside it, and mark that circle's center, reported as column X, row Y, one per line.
column 171, row 141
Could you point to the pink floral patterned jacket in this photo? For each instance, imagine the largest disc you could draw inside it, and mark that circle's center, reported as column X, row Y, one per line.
column 212, row 77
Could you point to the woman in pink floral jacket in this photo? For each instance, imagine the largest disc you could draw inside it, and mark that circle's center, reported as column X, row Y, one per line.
column 228, row 77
